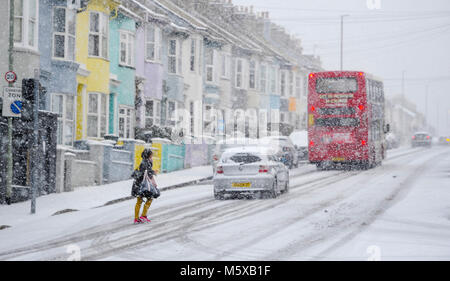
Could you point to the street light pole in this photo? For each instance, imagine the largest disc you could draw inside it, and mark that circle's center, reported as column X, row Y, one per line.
column 342, row 40
column 426, row 106
column 9, row 161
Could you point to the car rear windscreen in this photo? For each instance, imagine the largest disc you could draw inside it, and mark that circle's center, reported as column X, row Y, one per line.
column 245, row 158
column 336, row 85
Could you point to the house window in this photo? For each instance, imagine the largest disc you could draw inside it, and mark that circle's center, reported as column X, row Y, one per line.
column 125, row 122
column 283, row 83
column 282, row 117
column 98, row 35
column 225, row 66
column 153, row 39
column 152, row 113
column 239, row 69
column 64, row 22
column 26, row 23
column 97, row 115
column 64, row 105
column 171, row 108
column 174, row 56
column 252, row 75
column 273, row 80
column 291, row 83
column 193, row 54
column 192, row 113
column 263, row 81
column 209, row 62
column 298, row 85
column 126, row 48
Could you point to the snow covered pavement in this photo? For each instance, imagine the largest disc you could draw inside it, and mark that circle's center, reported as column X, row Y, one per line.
column 400, row 210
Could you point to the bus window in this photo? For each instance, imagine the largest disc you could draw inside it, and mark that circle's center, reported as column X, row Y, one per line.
column 337, row 122
column 336, row 111
column 336, row 85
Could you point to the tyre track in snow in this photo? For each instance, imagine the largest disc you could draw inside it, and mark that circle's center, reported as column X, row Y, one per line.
column 211, row 219
column 96, row 233
column 261, row 235
column 349, row 226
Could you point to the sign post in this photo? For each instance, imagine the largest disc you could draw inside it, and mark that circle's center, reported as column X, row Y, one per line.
column 10, row 77
column 12, row 102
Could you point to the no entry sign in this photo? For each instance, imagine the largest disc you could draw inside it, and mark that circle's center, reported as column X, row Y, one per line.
column 10, row 77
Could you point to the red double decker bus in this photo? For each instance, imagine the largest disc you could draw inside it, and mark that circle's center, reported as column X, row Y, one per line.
column 346, row 119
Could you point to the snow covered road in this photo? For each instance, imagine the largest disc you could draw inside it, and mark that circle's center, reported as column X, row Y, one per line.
column 400, row 210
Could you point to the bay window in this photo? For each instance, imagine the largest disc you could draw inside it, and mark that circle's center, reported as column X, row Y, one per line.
column 152, row 113
column 239, row 73
column 126, row 116
column 153, row 37
column 263, row 78
column 174, row 57
column 126, row 48
column 64, row 22
column 252, row 75
column 225, row 66
column 97, row 115
column 193, row 55
column 283, row 83
column 64, row 106
column 291, row 83
column 209, row 62
column 98, row 35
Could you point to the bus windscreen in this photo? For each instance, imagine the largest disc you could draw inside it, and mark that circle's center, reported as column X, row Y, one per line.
column 336, row 85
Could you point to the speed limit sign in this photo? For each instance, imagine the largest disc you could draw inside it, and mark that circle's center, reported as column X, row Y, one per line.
column 10, row 77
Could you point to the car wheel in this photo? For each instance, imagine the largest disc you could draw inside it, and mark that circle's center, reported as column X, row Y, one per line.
column 218, row 196
column 273, row 193
column 286, row 187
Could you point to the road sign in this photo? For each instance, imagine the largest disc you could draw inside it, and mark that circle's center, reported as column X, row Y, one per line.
column 12, row 102
column 16, row 107
column 10, row 77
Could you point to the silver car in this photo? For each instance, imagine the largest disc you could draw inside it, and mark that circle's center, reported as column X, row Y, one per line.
column 250, row 170
column 228, row 143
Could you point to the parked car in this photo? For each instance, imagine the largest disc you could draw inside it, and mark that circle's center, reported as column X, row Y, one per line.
column 421, row 139
column 300, row 141
column 250, row 170
column 392, row 141
column 222, row 145
column 284, row 147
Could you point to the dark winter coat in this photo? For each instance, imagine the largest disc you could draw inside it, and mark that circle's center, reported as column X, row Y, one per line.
column 138, row 175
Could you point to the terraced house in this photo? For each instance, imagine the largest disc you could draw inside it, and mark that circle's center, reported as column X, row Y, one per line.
column 94, row 76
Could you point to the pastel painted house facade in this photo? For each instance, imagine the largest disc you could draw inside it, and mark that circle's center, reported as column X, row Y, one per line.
column 93, row 79
column 150, row 70
column 58, row 68
column 122, row 73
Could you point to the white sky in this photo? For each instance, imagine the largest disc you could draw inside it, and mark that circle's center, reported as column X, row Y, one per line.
column 404, row 35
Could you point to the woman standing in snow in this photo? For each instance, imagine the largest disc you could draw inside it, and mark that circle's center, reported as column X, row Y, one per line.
column 145, row 169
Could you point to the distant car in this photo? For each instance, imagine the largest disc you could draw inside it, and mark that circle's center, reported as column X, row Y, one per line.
column 222, row 145
column 421, row 139
column 300, row 141
column 250, row 170
column 285, row 149
column 444, row 141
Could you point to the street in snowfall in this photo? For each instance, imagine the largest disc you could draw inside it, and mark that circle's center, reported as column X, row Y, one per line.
column 398, row 211
column 224, row 130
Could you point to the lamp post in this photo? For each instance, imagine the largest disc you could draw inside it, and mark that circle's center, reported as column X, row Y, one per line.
column 342, row 40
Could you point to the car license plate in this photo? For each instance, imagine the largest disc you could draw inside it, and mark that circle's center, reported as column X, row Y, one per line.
column 241, row 184
column 338, row 159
